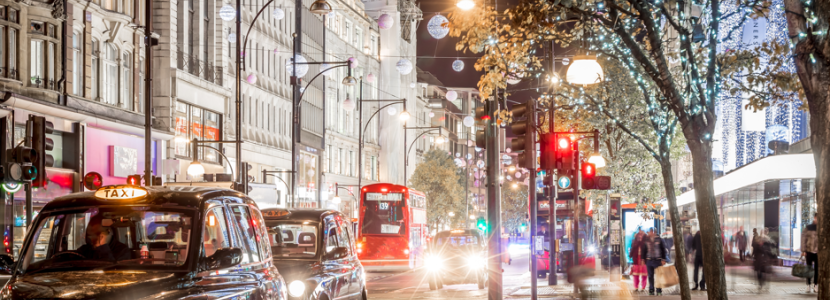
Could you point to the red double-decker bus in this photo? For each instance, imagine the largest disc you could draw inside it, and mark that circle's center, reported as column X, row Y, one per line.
column 392, row 226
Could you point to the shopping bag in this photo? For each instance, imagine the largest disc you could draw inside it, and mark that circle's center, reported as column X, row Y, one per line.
column 801, row 270
column 665, row 276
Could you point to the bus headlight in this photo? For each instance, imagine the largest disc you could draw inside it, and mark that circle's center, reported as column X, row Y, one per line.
column 476, row 261
column 433, row 263
column 296, row 288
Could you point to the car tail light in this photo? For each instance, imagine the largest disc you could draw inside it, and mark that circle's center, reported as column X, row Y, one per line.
column 406, row 251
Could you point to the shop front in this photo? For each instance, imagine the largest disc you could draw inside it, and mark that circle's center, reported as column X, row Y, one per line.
column 307, row 183
column 774, row 196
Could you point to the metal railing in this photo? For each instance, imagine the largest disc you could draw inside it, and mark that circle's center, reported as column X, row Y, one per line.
column 9, row 73
column 43, row 83
column 199, row 68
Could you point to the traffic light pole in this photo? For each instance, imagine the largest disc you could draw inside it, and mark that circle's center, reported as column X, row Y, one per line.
column 491, row 132
column 530, row 156
column 553, row 254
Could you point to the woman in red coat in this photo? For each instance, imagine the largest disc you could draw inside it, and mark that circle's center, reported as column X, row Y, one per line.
column 638, row 265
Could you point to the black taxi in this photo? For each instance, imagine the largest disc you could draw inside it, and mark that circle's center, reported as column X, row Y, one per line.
column 314, row 250
column 455, row 257
column 132, row 242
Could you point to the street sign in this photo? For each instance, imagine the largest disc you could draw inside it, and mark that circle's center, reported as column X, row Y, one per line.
column 539, row 244
column 564, row 182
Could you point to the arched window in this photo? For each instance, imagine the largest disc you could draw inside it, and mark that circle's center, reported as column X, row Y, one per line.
column 110, row 78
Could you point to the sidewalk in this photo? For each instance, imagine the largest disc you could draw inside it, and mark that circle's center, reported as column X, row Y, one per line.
column 741, row 284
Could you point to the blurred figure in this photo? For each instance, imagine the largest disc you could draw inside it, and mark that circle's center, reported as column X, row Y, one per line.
column 688, row 241
column 809, row 248
column 740, row 239
column 656, row 255
column 638, row 264
column 578, row 275
column 761, row 255
column 698, row 246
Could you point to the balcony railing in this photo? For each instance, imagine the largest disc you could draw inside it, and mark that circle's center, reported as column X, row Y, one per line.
column 43, row 83
column 199, row 68
column 9, row 73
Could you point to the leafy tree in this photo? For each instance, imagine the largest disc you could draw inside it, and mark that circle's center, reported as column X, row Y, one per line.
column 438, row 178
column 513, row 207
column 677, row 73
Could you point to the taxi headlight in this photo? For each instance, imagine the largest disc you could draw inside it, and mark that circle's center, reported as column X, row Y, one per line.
column 296, row 288
column 476, row 261
column 433, row 263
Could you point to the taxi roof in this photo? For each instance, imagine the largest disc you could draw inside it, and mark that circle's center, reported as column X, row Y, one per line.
column 300, row 214
column 186, row 196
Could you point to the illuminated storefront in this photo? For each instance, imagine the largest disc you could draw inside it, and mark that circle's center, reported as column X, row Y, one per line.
column 307, row 179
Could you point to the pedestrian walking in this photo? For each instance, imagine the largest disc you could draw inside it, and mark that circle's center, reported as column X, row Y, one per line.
column 740, row 237
column 688, row 241
column 698, row 246
column 761, row 255
column 809, row 249
column 638, row 263
column 656, row 255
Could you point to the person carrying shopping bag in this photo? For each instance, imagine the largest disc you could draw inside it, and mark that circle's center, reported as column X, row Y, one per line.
column 656, row 256
column 809, row 249
column 638, row 263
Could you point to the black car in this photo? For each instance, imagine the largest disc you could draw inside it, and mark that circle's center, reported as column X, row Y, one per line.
column 132, row 242
column 314, row 250
column 457, row 256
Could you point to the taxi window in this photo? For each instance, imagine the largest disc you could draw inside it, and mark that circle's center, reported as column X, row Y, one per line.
column 293, row 239
column 331, row 236
column 343, row 236
column 264, row 243
column 216, row 231
column 110, row 237
column 242, row 219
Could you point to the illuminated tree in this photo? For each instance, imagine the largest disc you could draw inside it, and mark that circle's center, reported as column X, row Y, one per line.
column 513, row 207
column 437, row 177
column 678, row 72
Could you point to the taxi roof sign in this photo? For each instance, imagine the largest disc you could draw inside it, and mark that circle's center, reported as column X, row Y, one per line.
column 120, row 192
column 275, row 213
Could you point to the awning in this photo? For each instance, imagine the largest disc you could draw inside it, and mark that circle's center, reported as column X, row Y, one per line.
column 785, row 166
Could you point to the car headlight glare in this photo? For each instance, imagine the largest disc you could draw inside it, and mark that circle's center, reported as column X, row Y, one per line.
column 433, row 263
column 296, row 288
column 476, row 261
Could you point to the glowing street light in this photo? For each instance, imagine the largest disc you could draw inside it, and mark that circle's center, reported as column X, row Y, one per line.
column 466, row 4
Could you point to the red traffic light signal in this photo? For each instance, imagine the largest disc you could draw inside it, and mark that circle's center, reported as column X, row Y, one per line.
column 134, row 180
column 563, row 143
column 589, row 173
column 93, row 181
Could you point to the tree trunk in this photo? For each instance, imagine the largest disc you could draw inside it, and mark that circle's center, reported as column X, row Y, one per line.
column 812, row 59
column 677, row 231
column 707, row 210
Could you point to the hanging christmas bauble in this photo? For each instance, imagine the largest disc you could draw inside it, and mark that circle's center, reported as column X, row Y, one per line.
column 348, row 104
column 412, row 85
column 470, row 143
column 278, row 13
column 326, row 70
column 431, row 114
column 469, row 121
column 507, row 150
column 478, row 149
column 458, row 65
column 514, row 79
column 457, row 154
column 251, row 78
column 518, row 175
column 302, row 67
column 469, row 156
column 404, row 66
column 370, row 78
column 353, row 62
column 227, row 12
column 232, row 38
column 438, row 26
column 385, row 21
column 391, row 111
column 452, row 95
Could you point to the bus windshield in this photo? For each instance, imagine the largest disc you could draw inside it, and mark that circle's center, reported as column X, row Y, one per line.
column 384, row 214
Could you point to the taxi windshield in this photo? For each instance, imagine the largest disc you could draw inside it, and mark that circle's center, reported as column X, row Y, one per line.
column 109, row 238
column 291, row 239
column 458, row 240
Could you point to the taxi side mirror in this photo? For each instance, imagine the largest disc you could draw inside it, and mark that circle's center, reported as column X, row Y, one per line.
column 6, row 264
column 223, row 258
column 338, row 253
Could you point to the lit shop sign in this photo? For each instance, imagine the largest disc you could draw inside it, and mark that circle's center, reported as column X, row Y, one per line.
column 384, row 197
column 196, row 128
column 120, row 192
column 544, row 205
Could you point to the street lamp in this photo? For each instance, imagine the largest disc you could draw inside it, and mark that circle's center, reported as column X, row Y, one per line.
column 597, row 160
column 439, row 139
column 466, row 4
column 320, row 7
column 196, row 168
column 349, row 81
column 404, row 115
column 452, row 214
column 585, row 70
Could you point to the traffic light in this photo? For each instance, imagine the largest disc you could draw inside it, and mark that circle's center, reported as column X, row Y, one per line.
column 241, row 187
column 134, row 180
column 481, row 224
column 41, row 144
column 524, row 127
column 482, row 119
column 93, row 181
column 589, row 173
column 248, row 168
column 565, row 152
column 157, row 181
column 21, row 168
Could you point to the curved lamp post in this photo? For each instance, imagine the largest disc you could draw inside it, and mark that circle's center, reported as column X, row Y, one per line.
column 404, row 115
column 196, row 168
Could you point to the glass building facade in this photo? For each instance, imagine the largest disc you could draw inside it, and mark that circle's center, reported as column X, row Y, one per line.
column 782, row 206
